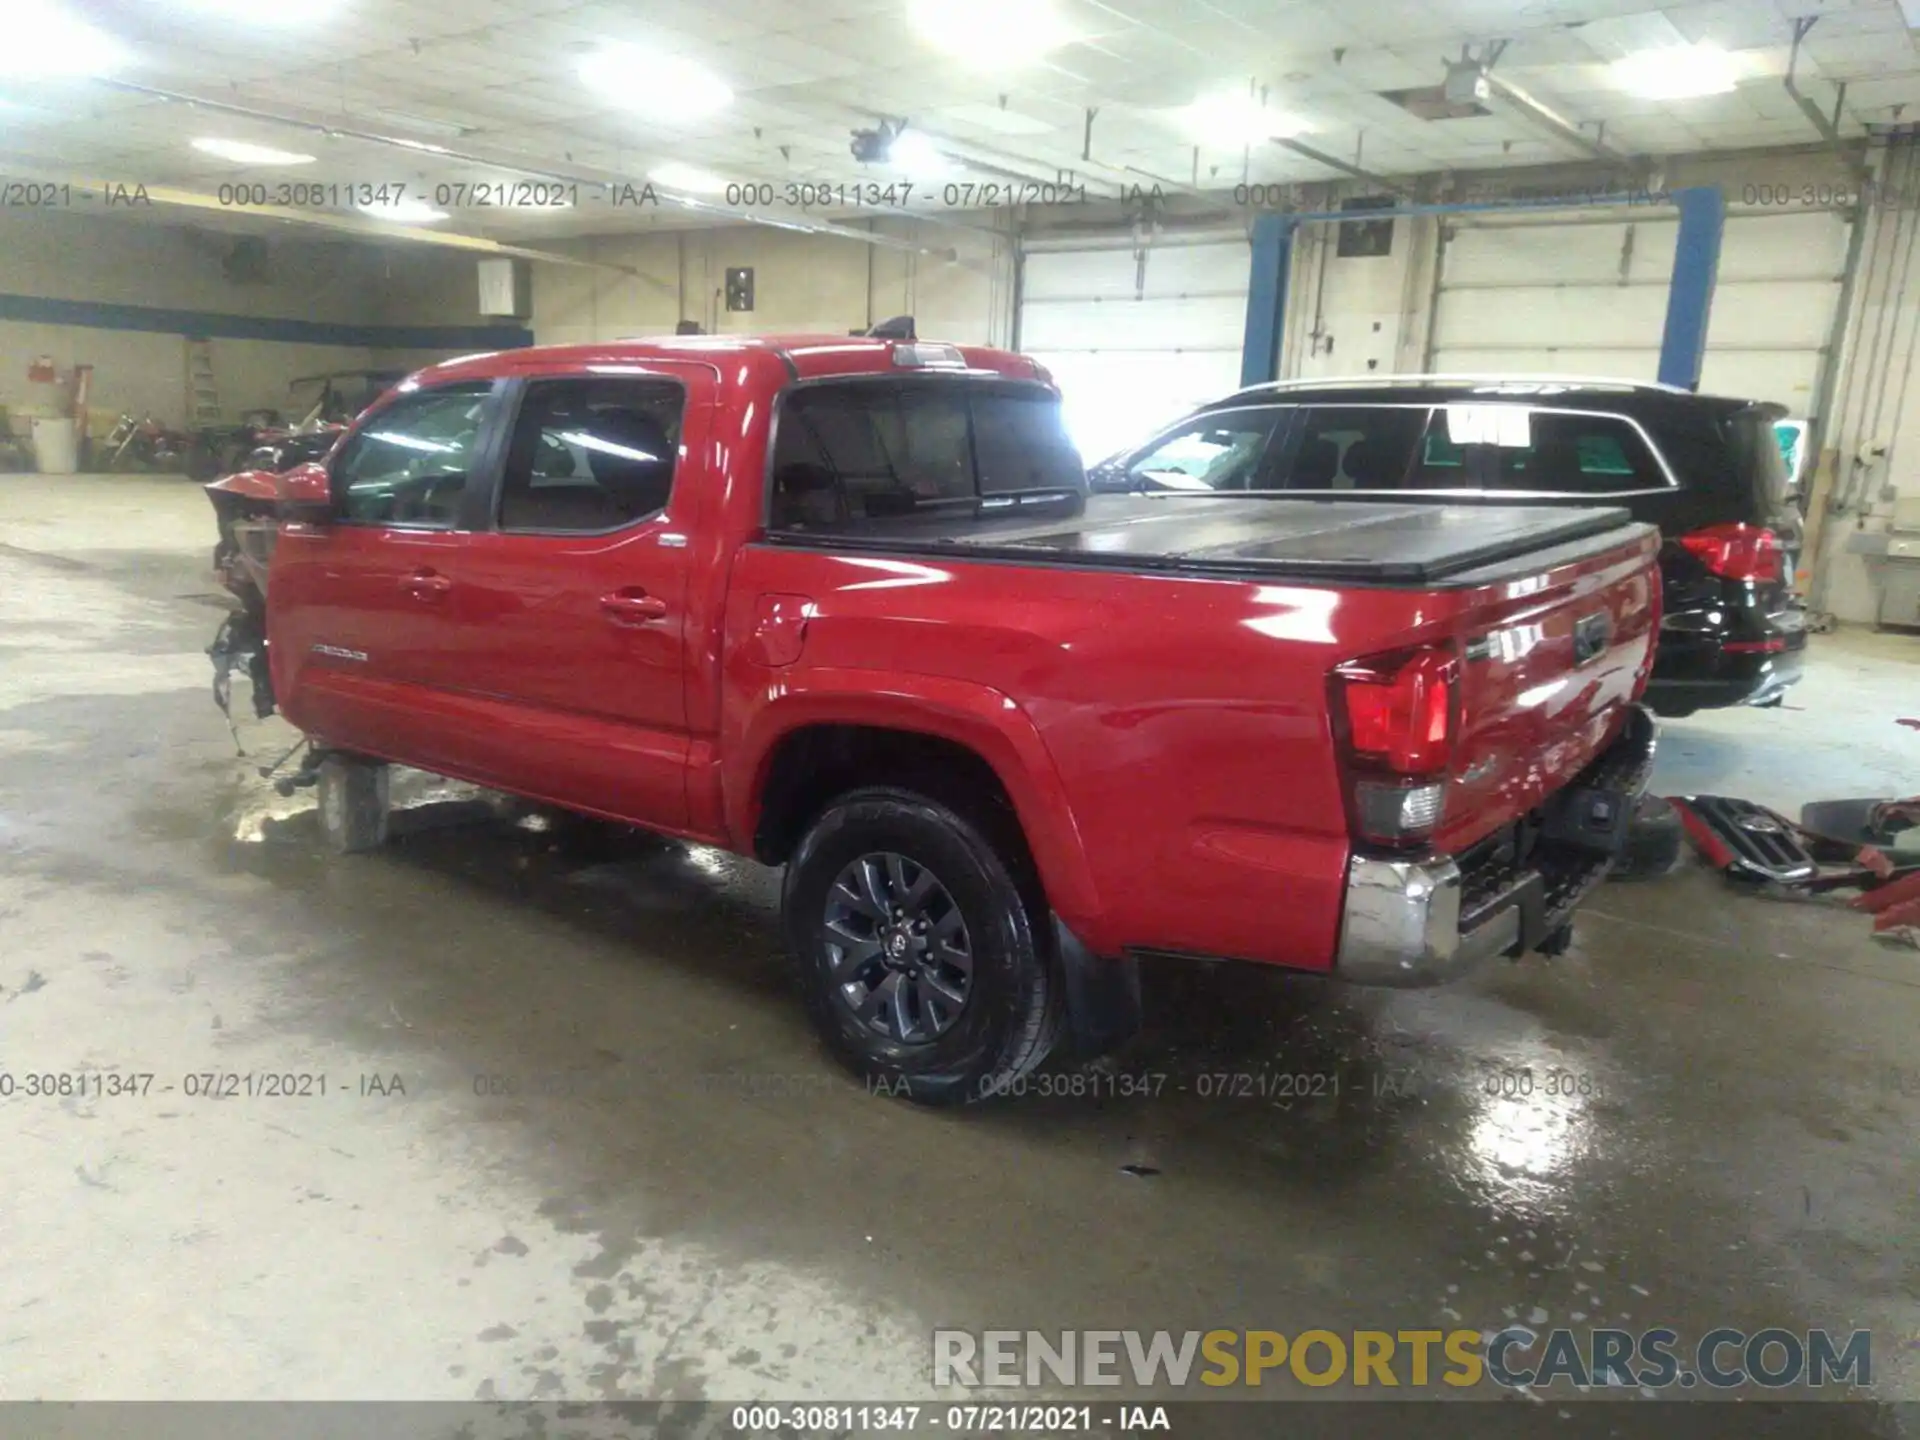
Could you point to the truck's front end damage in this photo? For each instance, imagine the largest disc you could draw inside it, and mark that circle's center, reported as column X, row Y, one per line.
column 245, row 507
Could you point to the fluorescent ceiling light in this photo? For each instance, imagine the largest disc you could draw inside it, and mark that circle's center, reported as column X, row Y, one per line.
column 240, row 152
column 44, row 42
column 407, row 212
column 412, row 442
column 991, row 33
column 661, row 87
column 605, row 447
column 272, row 12
column 1677, row 72
column 420, row 123
column 689, row 178
column 1236, row 120
column 914, row 156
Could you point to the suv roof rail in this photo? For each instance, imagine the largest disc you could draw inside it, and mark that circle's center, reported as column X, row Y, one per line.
column 1461, row 378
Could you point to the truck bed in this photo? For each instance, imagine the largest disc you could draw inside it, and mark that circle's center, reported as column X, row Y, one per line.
column 1297, row 538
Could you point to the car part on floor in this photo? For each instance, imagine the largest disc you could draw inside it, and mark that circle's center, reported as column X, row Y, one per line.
column 1861, row 822
column 1894, row 902
column 1750, row 842
column 1745, row 840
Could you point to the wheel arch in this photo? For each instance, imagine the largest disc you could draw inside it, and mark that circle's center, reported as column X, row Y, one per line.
column 837, row 731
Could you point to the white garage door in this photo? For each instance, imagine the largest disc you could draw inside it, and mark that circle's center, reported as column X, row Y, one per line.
column 1135, row 341
column 1591, row 299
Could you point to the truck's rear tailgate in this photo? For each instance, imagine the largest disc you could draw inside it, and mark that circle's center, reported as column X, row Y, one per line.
column 1552, row 650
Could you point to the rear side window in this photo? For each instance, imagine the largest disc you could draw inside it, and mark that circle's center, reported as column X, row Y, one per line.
column 591, row 455
column 1515, row 448
column 1352, row 447
column 876, row 457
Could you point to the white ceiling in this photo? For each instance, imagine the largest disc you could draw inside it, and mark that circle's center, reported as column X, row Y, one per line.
column 495, row 79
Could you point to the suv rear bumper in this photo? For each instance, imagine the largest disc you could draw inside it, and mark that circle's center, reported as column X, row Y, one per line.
column 1423, row 920
column 1707, row 660
column 1757, row 679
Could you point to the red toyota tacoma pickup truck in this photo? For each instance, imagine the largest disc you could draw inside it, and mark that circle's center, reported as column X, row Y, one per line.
column 845, row 604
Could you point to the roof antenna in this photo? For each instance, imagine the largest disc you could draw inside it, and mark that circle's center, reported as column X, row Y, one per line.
column 900, row 327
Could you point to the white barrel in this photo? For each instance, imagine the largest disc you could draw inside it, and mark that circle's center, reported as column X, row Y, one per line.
column 56, row 446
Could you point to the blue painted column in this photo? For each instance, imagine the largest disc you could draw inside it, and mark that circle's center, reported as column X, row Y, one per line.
column 1696, row 265
column 1267, row 298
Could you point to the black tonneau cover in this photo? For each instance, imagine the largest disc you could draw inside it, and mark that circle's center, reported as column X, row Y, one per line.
column 1334, row 540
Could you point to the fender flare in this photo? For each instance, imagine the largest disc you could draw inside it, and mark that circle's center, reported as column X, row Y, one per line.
column 985, row 720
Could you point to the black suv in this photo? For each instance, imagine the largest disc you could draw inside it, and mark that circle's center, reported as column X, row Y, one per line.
column 1708, row 471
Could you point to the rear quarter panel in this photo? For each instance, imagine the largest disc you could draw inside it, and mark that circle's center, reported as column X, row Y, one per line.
column 1184, row 722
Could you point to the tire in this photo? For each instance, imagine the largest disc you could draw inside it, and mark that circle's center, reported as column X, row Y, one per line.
column 1655, row 839
column 1010, row 1008
column 354, row 803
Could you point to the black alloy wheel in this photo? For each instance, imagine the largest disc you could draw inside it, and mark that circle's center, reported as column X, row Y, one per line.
column 901, row 955
column 913, row 925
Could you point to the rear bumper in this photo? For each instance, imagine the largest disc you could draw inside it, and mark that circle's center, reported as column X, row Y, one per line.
column 1748, row 661
column 1421, row 920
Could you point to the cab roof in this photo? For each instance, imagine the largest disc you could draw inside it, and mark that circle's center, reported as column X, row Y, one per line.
column 795, row 357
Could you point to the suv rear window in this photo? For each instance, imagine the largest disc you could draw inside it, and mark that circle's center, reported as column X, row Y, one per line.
column 882, row 457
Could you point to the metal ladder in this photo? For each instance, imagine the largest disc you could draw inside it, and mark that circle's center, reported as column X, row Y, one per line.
column 203, row 397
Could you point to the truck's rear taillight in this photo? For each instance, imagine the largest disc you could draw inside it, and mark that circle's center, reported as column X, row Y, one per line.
column 1400, row 709
column 1737, row 552
column 1396, row 717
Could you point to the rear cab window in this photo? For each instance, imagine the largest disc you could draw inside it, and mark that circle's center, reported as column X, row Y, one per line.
column 925, row 457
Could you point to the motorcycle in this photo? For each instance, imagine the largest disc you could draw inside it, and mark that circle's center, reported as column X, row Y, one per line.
column 145, row 442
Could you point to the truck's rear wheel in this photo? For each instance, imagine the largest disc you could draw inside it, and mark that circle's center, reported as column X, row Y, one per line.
column 354, row 803
column 919, row 957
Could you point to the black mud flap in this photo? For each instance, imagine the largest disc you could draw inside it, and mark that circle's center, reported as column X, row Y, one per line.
column 1104, row 1007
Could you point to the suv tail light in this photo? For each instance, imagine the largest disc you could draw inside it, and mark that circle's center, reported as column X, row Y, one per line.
column 1397, row 717
column 1738, row 552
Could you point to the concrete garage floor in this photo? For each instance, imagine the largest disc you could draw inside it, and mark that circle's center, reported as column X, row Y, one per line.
column 1738, row 1150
